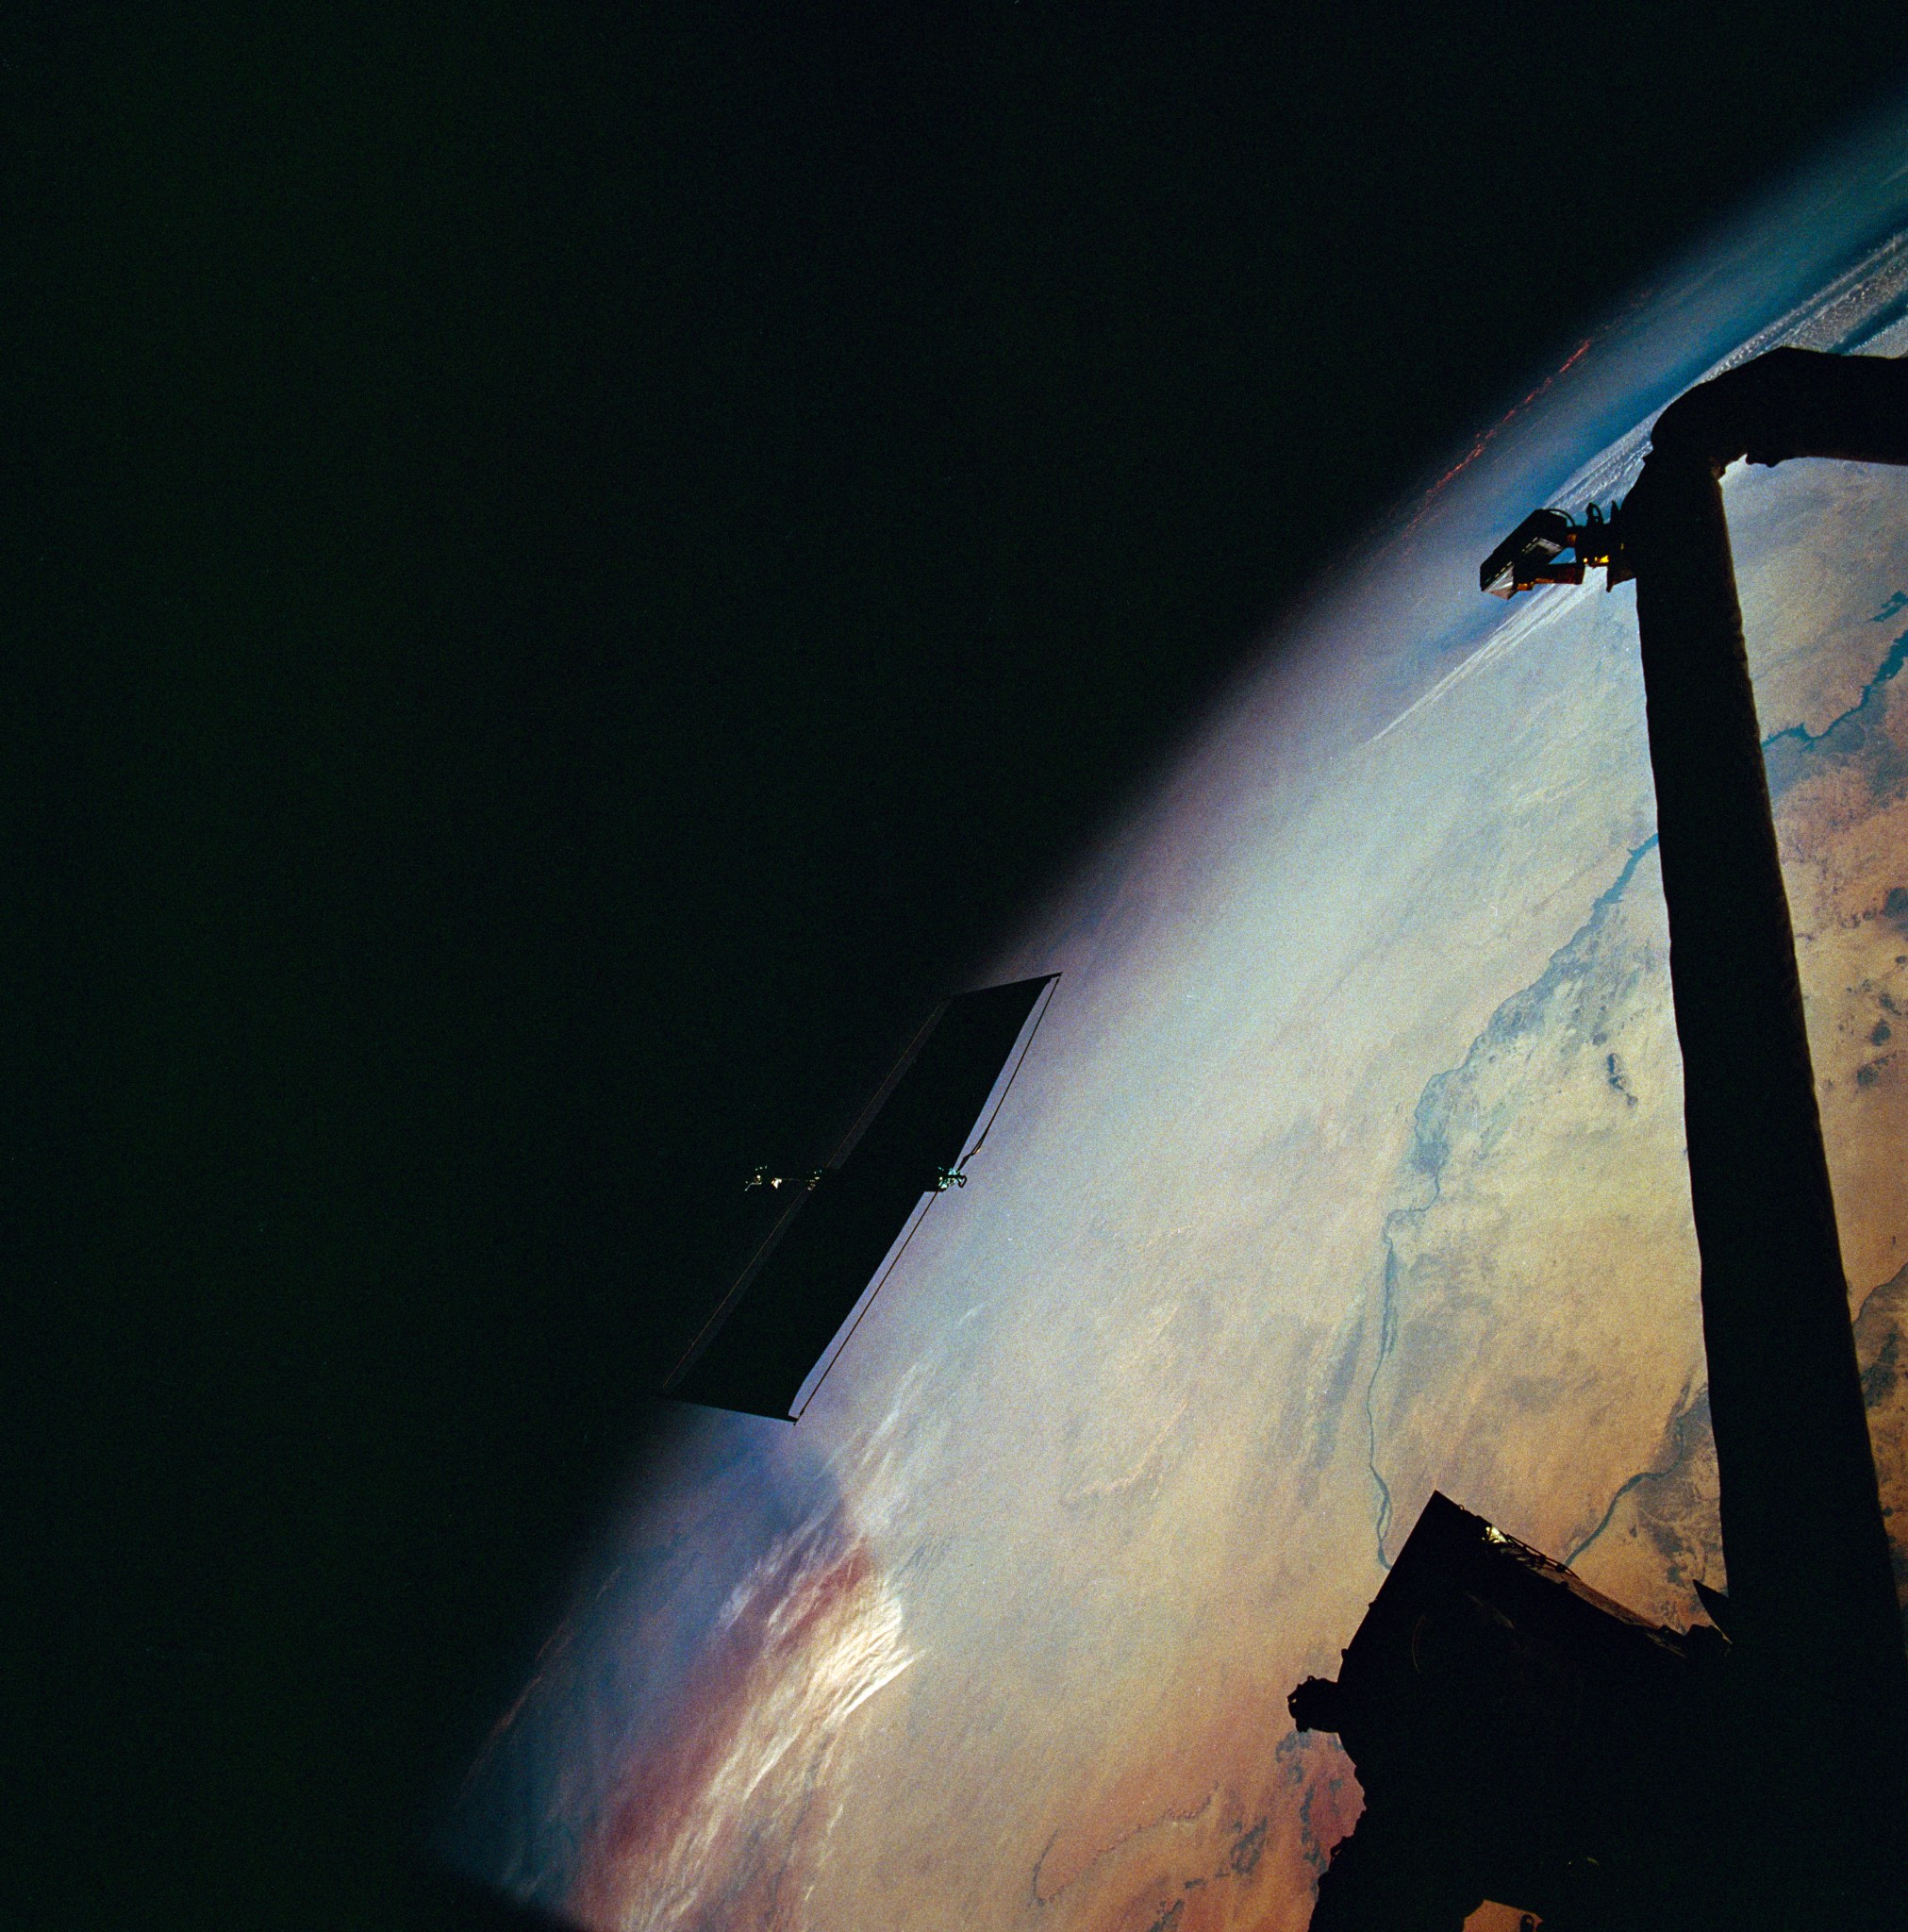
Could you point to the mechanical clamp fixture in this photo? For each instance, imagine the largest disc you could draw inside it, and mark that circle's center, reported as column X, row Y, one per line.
column 1529, row 555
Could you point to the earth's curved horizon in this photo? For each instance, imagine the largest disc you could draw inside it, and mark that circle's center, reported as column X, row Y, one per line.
column 1348, row 1164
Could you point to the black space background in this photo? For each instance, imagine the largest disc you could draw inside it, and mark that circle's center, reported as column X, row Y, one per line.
column 566, row 574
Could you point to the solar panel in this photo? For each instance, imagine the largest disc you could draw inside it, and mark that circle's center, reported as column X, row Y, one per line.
column 774, row 1327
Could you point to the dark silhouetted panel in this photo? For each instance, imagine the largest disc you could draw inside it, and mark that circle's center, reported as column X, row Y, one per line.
column 775, row 1324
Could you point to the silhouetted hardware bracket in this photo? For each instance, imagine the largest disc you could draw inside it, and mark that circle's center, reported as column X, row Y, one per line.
column 841, row 1227
column 1533, row 554
column 1514, row 1732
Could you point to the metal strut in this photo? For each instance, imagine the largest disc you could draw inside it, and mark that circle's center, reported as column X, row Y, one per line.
column 1818, row 1632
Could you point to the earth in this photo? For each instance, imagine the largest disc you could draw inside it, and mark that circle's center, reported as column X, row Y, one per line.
column 1347, row 1163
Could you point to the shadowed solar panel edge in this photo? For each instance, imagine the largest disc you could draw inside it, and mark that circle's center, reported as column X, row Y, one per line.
column 772, row 1328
